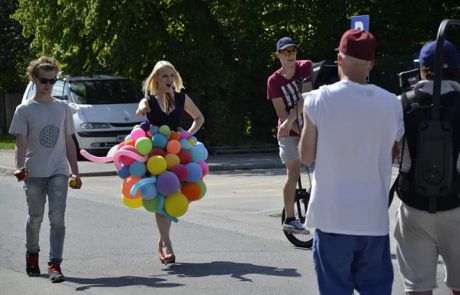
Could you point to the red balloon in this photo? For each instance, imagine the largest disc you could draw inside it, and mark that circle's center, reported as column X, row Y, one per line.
column 181, row 172
column 157, row 152
column 185, row 156
column 191, row 191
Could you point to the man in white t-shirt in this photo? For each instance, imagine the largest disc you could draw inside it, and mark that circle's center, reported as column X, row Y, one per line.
column 350, row 130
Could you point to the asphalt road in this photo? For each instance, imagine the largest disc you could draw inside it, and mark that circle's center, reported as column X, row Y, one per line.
column 230, row 242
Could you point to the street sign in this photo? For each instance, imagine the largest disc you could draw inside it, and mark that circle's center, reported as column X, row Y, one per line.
column 360, row 22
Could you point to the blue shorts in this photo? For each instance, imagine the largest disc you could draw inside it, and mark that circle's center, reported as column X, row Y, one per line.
column 344, row 263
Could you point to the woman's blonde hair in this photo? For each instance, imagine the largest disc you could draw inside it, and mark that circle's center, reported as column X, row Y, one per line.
column 150, row 85
column 44, row 63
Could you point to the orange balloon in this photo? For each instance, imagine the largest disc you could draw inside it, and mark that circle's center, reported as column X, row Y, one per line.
column 126, row 185
column 173, row 146
column 191, row 191
column 174, row 136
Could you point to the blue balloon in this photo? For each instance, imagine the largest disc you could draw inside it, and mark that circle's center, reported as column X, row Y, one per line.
column 159, row 140
column 137, row 169
column 149, row 191
column 154, row 130
column 197, row 155
column 123, row 172
column 203, row 149
column 194, row 172
column 185, row 144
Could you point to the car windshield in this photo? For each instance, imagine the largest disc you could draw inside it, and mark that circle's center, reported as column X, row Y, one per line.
column 104, row 92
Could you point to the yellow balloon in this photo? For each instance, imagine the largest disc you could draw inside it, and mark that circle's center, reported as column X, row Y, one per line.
column 156, row 165
column 176, row 204
column 172, row 160
column 132, row 202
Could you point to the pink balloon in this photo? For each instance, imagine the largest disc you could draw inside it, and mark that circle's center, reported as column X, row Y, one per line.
column 137, row 133
column 204, row 167
column 94, row 158
column 130, row 155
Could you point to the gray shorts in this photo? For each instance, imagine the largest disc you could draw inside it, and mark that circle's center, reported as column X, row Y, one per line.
column 423, row 237
column 289, row 148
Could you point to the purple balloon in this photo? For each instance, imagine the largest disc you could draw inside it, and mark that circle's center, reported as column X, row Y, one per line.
column 168, row 183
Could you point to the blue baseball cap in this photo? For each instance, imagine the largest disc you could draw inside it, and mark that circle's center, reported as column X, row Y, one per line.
column 284, row 43
column 450, row 57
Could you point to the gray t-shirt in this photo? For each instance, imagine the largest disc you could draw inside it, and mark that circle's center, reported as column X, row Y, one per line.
column 46, row 126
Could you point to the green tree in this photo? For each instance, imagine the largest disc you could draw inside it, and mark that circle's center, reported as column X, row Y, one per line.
column 14, row 48
column 223, row 49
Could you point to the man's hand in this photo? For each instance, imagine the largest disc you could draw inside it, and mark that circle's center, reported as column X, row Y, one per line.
column 75, row 182
column 21, row 174
column 285, row 128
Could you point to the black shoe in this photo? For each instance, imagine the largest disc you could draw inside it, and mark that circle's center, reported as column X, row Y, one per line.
column 32, row 268
column 55, row 273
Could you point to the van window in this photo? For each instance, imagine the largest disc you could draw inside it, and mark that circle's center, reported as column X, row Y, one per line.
column 104, row 92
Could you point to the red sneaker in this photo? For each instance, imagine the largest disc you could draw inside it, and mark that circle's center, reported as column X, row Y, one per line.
column 32, row 268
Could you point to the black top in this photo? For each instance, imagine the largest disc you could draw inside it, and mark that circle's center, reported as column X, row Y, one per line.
column 157, row 117
column 417, row 108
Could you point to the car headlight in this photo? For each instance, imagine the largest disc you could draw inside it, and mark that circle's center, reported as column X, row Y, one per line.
column 90, row 125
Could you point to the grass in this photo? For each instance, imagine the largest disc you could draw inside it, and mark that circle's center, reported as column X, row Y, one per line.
column 7, row 142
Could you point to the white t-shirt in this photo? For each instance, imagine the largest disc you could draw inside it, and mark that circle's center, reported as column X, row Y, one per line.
column 46, row 126
column 357, row 127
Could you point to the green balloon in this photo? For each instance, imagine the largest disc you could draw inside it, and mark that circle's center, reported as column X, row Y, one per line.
column 143, row 145
column 150, row 205
column 202, row 186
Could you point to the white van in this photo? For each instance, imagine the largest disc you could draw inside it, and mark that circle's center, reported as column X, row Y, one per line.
column 104, row 108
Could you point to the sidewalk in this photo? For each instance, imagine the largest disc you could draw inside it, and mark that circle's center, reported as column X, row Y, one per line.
column 215, row 162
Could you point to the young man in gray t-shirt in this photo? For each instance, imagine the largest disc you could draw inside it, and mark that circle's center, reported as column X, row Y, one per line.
column 43, row 127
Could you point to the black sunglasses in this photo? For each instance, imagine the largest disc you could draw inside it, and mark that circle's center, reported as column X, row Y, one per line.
column 45, row 81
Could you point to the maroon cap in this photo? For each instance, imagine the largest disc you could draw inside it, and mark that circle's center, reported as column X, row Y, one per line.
column 358, row 44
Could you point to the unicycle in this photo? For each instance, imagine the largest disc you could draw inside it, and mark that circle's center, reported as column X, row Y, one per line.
column 302, row 198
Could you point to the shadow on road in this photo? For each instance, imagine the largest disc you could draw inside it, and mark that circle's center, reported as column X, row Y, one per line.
column 234, row 269
column 124, row 281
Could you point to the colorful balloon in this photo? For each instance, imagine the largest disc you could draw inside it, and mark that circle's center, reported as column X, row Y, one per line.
column 204, row 168
column 159, row 140
column 137, row 169
column 203, row 188
column 168, row 183
column 156, row 165
column 173, row 146
column 137, row 133
column 191, row 190
column 176, row 205
column 132, row 203
column 181, row 172
column 171, row 160
column 194, row 172
column 127, row 184
column 185, row 156
column 151, row 204
column 143, row 145
column 165, row 130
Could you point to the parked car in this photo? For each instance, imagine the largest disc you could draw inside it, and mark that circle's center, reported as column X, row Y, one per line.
column 324, row 73
column 104, row 108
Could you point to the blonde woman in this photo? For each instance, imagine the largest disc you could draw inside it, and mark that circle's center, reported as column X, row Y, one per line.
column 165, row 104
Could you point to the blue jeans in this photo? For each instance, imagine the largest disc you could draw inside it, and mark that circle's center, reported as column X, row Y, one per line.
column 344, row 263
column 36, row 189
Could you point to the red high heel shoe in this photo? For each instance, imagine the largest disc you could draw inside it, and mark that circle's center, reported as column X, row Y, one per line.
column 166, row 259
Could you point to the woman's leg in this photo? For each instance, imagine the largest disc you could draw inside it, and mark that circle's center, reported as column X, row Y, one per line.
column 164, row 225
